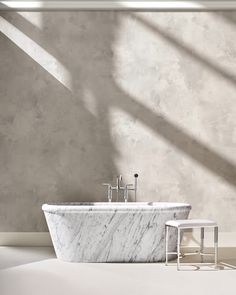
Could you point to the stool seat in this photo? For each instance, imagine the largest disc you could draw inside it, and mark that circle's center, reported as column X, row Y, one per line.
column 191, row 223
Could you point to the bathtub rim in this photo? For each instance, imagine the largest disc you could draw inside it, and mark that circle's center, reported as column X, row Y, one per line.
column 114, row 206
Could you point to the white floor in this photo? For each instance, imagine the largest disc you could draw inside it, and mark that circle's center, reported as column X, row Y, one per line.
column 35, row 270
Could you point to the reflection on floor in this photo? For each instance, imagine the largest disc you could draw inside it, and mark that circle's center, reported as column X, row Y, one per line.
column 35, row 270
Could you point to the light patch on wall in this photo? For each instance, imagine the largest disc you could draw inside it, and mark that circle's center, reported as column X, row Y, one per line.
column 139, row 151
column 134, row 59
column 35, row 18
column 37, row 53
column 128, row 133
column 90, row 102
column 139, row 61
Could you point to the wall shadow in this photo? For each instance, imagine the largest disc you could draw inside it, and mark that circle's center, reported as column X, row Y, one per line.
column 229, row 16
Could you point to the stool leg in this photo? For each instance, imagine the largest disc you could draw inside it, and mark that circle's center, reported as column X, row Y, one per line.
column 216, row 245
column 166, row 239
column 202, row 243
column 178, row 249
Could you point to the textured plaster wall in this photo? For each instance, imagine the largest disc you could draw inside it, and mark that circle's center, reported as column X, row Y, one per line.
column 85, row 96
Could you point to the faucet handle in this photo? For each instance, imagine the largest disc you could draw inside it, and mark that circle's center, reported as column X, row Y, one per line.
column 126, row 191
column 109, row 191
column 127, row 185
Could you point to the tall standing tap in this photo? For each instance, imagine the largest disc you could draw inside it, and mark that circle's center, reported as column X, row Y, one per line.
column 135, row 186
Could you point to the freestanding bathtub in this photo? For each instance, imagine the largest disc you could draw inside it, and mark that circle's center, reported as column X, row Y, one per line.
column 112, row 232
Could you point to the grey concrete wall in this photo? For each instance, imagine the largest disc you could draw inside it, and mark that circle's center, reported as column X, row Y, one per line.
column 85, row 96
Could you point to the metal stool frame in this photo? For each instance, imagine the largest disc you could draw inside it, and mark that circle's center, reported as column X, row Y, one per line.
column 201, row 251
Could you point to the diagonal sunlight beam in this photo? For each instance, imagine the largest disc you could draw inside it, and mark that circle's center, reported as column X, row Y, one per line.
column 192, row 53
column 37, row 53
column 176, row 136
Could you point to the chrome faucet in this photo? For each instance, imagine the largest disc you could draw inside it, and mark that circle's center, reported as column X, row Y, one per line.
column 125, row 188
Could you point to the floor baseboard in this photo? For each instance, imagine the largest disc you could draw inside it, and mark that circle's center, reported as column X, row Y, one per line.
column 191, row 239
column 25, row 239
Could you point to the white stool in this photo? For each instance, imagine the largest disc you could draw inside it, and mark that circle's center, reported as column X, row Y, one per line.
column 190, row 224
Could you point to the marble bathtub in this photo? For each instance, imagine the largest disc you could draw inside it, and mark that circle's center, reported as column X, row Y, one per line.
column 112, row 232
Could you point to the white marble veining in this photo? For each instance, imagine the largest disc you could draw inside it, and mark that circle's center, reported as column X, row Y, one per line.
column 112, row 232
